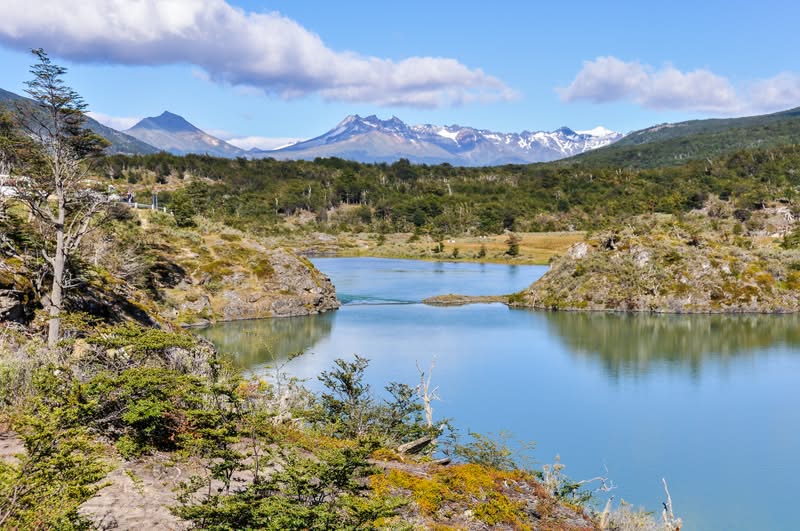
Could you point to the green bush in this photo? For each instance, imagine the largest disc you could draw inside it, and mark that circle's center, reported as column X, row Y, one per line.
column 145, row 409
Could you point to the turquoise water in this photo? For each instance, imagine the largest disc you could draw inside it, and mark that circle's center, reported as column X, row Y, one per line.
column 708, row 402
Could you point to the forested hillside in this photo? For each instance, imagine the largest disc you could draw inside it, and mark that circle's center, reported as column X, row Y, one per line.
column 674, row 144
column 338, row 195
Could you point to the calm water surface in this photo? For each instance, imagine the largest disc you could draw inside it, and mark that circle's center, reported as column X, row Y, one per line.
column 708, row 402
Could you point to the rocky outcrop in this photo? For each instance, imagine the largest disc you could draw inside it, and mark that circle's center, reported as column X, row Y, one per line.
column 243, row 279
column 295, row 288
column 17, row 298
column 698, row 264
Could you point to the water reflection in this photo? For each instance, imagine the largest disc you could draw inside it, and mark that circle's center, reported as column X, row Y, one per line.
column 259, row 342
column 636, row 344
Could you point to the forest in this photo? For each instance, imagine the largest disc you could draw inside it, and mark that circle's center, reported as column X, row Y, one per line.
column 257, row 195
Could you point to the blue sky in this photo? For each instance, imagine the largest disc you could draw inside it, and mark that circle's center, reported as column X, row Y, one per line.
column 249, row 70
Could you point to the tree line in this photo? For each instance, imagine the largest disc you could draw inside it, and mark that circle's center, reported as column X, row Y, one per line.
column 257, row 195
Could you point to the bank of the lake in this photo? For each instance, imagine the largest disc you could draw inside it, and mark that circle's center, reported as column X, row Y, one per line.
column 532, row 248
column 705, row 401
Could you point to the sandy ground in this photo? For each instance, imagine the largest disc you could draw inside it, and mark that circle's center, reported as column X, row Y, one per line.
column 10, row 446
column 137, row 496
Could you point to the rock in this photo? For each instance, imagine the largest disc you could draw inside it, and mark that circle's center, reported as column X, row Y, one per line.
column 415, row 446
column 12, row 306
column 641, row 257
column 198, row 305
column 460, row 300
column 137, row 495
column 578, row 250
column 256, row 282
column 10, row 447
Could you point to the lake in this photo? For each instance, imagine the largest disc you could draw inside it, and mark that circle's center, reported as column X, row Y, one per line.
column 711, row 403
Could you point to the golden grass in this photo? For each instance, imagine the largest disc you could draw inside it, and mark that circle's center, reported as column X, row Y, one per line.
column 534, row 248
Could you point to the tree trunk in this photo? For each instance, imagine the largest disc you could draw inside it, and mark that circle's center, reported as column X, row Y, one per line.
column 57, row 291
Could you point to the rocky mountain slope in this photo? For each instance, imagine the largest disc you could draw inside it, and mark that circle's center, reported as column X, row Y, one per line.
column 371, row 139
column 172, row 133
column 121, row 143
column 717, row 260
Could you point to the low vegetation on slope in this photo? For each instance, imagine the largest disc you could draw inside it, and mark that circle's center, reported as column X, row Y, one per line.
column 675, row 144
column 718, row 259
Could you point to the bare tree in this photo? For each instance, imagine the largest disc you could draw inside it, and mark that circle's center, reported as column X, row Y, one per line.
column 426, row 394
column 51, row 184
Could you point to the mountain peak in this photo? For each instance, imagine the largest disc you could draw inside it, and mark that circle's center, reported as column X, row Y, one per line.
column 166, row 121
column 350, row 118
column 173, row 133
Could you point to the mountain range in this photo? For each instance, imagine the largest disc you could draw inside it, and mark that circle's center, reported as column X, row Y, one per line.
column 371, row 139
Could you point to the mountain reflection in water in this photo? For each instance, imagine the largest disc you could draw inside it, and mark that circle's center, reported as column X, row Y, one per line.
column 255, row 343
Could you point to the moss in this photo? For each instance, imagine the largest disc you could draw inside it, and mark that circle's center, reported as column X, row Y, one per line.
column 792, row 281
column 234, row 253
column 7, row 278
column 516, row 299
column 386, row 454
column 230, row 237
column 479, row 488
column 261, row 268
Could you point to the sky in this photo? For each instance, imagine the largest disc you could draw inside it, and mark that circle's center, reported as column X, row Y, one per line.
column 261, row 73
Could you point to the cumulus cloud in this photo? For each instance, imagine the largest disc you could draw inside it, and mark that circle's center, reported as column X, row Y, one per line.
column 120, row 123
column 608, row 79
column 267, row 51
column 779, row 92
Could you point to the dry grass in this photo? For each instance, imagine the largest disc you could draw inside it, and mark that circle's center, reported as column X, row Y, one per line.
column 534, row 248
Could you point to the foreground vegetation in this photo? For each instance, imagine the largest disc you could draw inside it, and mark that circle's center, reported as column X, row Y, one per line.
column 263, row 454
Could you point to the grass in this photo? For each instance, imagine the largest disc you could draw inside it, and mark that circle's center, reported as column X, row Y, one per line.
column 534, row 247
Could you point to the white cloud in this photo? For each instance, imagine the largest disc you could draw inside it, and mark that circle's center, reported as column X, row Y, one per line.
column 115, row 122
column 262, row 142
column 266, row 51
column 779, row 92
column 608, row 79
column 250, row 142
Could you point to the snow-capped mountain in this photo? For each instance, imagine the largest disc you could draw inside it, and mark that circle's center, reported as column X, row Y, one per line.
column 172, row 133
column 371, row 139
